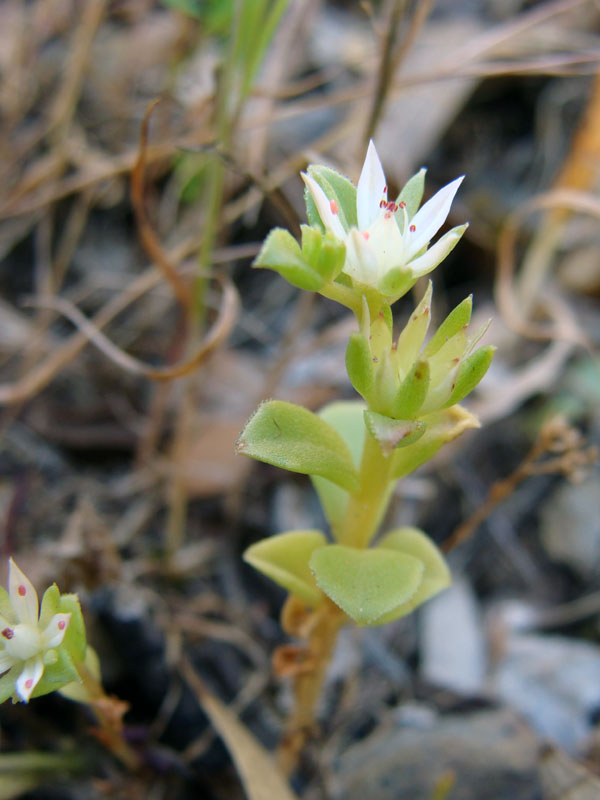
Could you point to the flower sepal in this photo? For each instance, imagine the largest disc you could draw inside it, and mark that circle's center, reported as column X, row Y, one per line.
column 281, row 253
column 339, row 191
column 322, row 252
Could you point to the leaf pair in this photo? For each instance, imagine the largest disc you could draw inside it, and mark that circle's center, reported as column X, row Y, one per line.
column 371, row 586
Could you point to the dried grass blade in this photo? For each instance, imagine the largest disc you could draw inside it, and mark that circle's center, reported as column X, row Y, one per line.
column 259, row 775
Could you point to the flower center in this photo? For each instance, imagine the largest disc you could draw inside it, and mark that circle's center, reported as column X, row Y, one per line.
column 24, row 643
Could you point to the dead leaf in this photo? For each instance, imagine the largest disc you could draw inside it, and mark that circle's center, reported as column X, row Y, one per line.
column 260, row 777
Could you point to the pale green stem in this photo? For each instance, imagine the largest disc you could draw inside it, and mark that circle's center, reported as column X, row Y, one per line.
column 367, row 506
column 343, row 295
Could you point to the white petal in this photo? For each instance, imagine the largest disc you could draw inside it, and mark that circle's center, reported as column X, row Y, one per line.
column 370, row 189
column 430, row 218
column 29, row 678
column 55, row 632
column 323, row 204
column 387, row 242
column 361, row 259
column 436, row 254
column 6, row 661
column 23, row 597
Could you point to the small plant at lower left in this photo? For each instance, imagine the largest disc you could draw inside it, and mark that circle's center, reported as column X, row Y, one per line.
column 40, row 646
column 43, row 649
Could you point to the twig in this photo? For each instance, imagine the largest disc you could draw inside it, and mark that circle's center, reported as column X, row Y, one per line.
column 150, row 241
column 216, row 335
column 570, row 458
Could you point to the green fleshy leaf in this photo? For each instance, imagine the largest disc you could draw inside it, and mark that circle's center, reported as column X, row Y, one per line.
column 284, row 558
column 293, row 438
column 359, row 364
column 442, row 427
column 6, row 609
column 386, row 385
column 281, row 253
column 472, row 370
column 331, row 258
column 323, row 253
column 340, row 189
column 436, row 577
column 392, row 433
column 74, row 640
column 413, row 391
column 413, row 334
column 366, row 584
column 57, row 675
column 76, row 690
column 396, row 282
column 49, row 606
column 312, row 238
column 457, row 319
column 411, row 195
column 380, row 335
column 7, row 683
column 346, row 417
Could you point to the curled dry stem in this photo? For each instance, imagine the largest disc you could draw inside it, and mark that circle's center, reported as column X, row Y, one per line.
column 559, row 449
column 216, row 335
column 150, row 241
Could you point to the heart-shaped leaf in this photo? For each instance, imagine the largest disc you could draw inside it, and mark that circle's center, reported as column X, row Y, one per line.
column 436, row 577
column 293, row 438
column 366, row 584
column 284, row 558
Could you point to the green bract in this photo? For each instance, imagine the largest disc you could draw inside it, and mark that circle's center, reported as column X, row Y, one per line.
column 410, row 380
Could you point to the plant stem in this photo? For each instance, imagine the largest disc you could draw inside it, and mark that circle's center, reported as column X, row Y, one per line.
column 108, row 712
column 307, row 686
column 367, row 506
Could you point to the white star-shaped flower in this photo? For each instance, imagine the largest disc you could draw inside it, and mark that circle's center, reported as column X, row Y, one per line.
column 23, row 641
column 386, row 238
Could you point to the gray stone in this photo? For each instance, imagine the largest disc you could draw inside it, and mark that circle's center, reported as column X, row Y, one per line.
column 491, row 754
column 570, row 526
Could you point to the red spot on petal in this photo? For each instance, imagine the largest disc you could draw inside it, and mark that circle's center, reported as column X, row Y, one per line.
column 62, row 625
column 412, row 228
column 385, row 189
column 334, row 207
column 381, row 203
column 29, row 683
column 402, row 204
column 387, row 215
column 8, row 633
column 22, row 591
column 365, row 235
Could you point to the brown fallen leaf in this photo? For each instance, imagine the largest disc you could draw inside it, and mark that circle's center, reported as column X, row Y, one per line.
column 259, row 775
